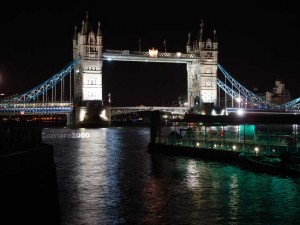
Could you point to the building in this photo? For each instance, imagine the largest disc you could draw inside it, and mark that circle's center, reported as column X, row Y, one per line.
column 279, row 95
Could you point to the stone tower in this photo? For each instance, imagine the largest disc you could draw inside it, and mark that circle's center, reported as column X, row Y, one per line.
column 88, row 74
column 202, row 74
column 89, row 110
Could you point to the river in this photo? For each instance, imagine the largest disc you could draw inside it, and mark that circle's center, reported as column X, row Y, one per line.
column 106, row 176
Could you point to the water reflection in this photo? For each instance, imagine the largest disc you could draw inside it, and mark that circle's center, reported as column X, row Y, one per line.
column 110, row 178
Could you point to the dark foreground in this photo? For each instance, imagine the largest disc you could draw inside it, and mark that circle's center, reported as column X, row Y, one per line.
column 28, row 189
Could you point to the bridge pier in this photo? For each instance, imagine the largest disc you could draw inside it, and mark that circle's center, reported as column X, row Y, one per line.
column 90, row 116
column 69, row 119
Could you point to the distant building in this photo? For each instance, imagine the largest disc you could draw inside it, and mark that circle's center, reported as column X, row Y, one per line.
column 279, row 95
column 260, row 93
column 181, row 101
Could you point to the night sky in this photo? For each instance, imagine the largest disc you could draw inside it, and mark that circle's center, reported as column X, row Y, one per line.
column 258, row 43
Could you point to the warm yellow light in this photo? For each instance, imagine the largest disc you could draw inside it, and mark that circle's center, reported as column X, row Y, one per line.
column 103, row 115
column 153, row 52
column 82, row 113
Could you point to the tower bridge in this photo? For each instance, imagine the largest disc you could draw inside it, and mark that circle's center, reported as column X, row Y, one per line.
column 77, row 89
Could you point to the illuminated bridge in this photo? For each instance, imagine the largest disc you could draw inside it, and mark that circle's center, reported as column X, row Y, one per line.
column 76, row 90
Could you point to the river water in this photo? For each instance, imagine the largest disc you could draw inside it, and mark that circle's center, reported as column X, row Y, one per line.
column 106, row 176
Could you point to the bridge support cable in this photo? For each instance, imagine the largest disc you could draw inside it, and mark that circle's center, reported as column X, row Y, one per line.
column 70, row 77
column 251, row 97
column 225, row 95
column 232, row 93
column 45, row 86
column 55, row 93
column 61, row 90
column 52, row 94
column 219, row 96
column 291, row 104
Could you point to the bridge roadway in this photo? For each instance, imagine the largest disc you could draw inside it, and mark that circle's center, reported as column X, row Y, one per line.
column 36, row 108
column 123, row 110
column 42, row 108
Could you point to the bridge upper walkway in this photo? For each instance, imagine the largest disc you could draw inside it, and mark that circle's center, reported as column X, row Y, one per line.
column 166, row 57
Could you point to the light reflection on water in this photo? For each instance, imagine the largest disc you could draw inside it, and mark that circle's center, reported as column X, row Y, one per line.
column 110, row 178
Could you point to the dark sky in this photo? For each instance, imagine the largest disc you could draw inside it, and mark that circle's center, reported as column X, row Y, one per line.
column 258, row 43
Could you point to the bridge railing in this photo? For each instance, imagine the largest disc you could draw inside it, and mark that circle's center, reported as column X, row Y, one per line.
column 35, row 104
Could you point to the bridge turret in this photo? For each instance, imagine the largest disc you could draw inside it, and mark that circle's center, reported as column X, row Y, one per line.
column 195, row 47
column 201, row 42
column 188, row 44
column 215, row 41
column 99, row 33
column 75, row 43
column 82, row 41
column 99, row 40
column 85, row 27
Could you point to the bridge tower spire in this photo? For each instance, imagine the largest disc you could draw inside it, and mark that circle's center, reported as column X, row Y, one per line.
column 201, row 34
column 75, row 42
column 202, row 74
column 188, row 44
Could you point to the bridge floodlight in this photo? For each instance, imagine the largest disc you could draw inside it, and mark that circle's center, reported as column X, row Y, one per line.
column 240, row 112
column 238, row 99
column 178, row 54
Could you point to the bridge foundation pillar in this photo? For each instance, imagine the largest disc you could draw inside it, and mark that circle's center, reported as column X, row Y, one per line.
column 90, row 116
column 70, row 119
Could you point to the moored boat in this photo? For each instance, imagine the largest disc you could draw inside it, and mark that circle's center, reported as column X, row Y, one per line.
column 271, row 164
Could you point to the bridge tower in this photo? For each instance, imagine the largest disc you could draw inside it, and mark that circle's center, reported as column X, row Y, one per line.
column 88, row 99
column 88, row 80
column 202, row 74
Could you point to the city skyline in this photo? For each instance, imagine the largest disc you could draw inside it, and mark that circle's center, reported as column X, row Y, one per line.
column 256, row 45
